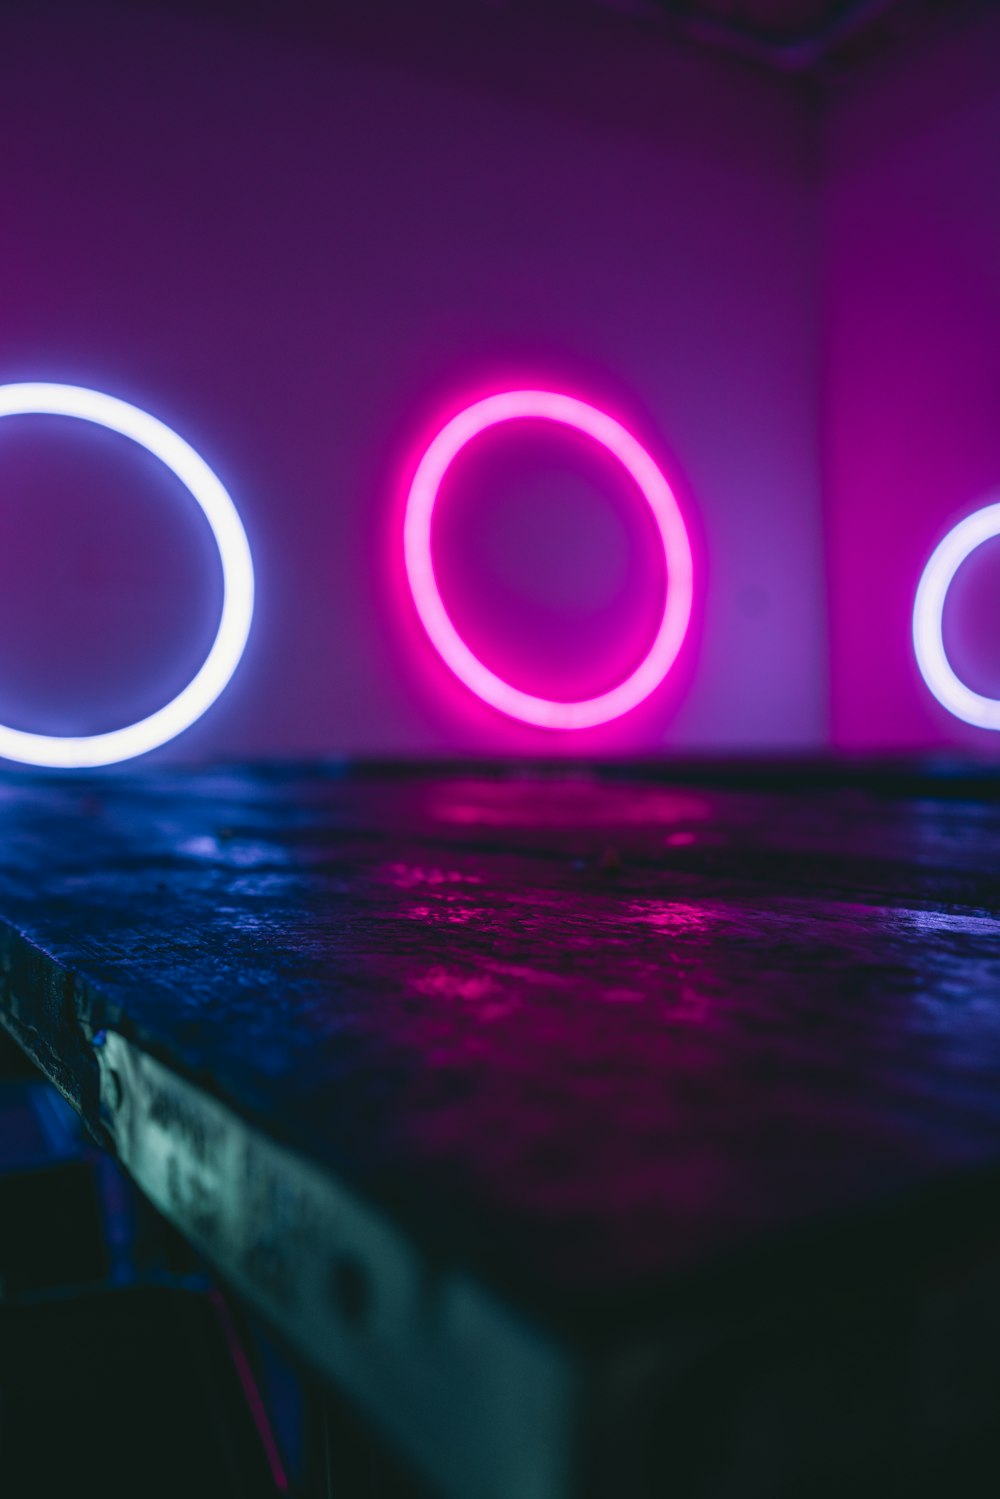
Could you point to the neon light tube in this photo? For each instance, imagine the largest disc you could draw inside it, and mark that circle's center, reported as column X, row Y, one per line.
column 928, row 611
column 237, row 580
column 567, row 411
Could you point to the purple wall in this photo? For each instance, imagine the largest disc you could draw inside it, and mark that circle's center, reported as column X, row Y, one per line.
column 303, row 249
column 912, row 393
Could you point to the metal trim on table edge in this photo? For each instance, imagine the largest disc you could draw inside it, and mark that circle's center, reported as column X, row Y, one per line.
column 479, row 1401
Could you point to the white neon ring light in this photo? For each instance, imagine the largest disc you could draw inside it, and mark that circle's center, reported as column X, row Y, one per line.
column 568, row 412
column 66, row 752
column 928, row 610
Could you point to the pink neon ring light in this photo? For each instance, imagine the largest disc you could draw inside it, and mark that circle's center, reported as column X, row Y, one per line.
column 545, row 405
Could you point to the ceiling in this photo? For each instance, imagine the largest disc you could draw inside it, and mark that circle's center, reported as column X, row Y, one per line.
column 798, row 36
column 778, row 19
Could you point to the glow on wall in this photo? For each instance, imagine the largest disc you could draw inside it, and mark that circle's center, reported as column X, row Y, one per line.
column 928, row 611
column 550, row 406
column 69, row 752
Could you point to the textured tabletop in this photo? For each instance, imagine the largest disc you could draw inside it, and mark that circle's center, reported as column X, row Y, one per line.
column 586, row 1032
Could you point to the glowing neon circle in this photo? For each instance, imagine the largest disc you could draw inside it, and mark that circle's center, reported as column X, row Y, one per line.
column 928, row 610
column 549, row 406
column 237, row 580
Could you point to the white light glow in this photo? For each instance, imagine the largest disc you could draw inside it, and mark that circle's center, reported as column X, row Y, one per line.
column 928, row 610
column 237, row 580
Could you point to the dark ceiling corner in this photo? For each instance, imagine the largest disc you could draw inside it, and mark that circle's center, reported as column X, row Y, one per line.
column 794, row 36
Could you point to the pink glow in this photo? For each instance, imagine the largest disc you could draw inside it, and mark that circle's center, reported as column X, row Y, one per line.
column 569, row 412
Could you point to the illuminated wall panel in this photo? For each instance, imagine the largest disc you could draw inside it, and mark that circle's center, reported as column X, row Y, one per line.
column 912, row 389
column 305, row 244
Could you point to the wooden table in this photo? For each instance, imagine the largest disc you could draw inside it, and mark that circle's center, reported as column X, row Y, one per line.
column 598, row 1132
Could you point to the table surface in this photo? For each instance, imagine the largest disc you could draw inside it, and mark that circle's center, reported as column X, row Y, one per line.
column 587, row 1031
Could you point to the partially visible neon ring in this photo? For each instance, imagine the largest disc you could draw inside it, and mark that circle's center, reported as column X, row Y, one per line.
column 550, row 406
column 66, row 752
column 928, row 611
